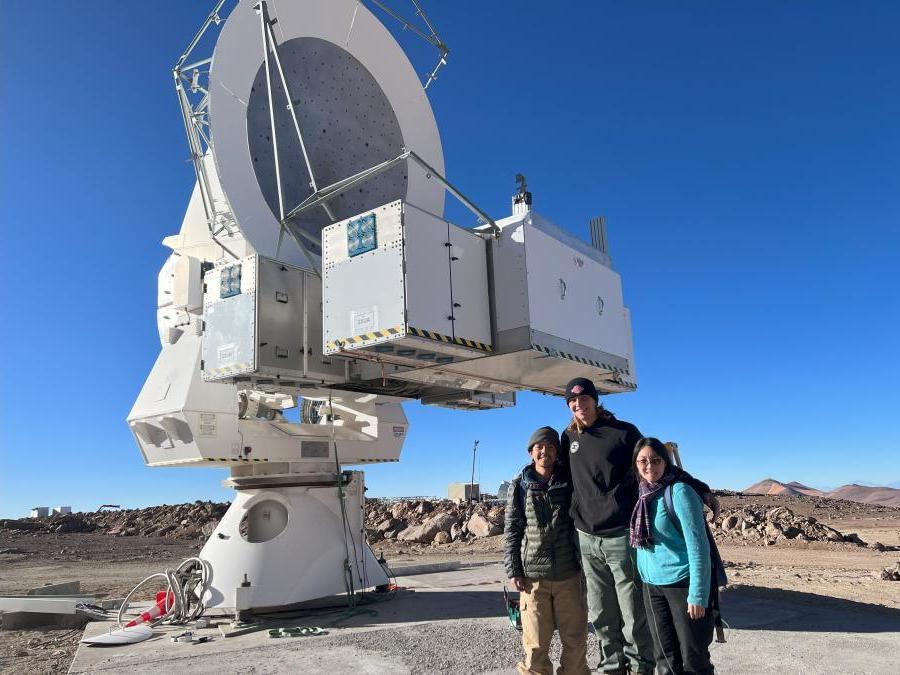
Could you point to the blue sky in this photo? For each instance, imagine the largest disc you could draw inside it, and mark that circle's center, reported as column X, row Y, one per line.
column 746, row 156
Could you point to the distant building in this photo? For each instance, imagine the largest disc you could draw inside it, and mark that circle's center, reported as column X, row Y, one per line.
column 40, row 512
column 59, row 510
column 463, row 492
column 503, row 490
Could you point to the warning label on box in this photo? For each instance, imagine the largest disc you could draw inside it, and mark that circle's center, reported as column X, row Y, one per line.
column 363, row 321
column 207, row 424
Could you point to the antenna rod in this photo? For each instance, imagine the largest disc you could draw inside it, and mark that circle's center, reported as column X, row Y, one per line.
column 472, row 492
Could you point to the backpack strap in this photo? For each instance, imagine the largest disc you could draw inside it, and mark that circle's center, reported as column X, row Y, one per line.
column 669, row 506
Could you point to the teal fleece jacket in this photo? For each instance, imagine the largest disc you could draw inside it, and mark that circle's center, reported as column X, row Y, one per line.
column 674, row 556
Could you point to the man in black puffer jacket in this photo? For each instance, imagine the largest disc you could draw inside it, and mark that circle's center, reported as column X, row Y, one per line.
column 543, row 561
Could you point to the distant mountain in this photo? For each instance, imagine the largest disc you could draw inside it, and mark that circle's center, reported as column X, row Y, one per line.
column 868, row 494
column 770, row 486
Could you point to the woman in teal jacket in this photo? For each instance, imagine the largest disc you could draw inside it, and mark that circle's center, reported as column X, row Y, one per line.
column 673, row 559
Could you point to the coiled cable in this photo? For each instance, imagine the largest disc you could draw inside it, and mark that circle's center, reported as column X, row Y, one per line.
column 186, row 586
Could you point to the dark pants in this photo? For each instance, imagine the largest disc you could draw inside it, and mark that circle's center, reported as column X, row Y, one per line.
column 680, row 644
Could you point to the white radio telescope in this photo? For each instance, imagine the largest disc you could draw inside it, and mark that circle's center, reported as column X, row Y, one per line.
column 314, row 269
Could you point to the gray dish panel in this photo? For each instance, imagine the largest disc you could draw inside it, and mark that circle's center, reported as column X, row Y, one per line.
column 348, row 126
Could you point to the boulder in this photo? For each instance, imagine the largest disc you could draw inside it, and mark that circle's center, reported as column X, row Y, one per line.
column 779, row 513
column 790, row 531
column 480, row 526
column 426, row 532
column 891, row 574
column 443, row 537
column 730, row 523
column 832, row 534
column 853, row 538
column 387, row 524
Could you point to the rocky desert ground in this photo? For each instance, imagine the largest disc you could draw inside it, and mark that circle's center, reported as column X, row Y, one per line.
column 827, row 547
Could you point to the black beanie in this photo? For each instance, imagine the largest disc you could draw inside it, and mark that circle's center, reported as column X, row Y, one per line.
column 544, row 435
column 579, row 386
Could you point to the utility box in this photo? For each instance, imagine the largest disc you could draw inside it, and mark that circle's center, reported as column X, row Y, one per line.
column 558, row 312
column 463, row 492
column 262, row 319
column 403, row 283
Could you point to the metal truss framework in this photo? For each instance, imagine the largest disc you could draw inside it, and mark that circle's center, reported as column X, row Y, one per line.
column 191, row 85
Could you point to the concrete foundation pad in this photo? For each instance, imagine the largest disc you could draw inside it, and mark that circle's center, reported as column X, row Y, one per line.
column 61, row 588
column 455, row 621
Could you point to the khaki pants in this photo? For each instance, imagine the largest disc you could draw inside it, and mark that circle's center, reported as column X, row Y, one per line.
column 548, row 605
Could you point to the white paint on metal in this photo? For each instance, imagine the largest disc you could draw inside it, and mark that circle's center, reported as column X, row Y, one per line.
column 304, row 560
column 121, row 636
column 358, row 102
column 43, row 604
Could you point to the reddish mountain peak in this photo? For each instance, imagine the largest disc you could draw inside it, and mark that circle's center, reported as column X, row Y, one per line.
column 770, row 486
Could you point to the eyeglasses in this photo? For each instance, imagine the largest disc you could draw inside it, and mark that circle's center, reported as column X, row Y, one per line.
column 643, row 463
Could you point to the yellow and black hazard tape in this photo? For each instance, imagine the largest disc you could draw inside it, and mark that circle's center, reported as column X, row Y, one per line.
column 237, row 368
column 229, row 460
column 220, row 460
column 580, row 359
column 464, row 342
column 359, row 339
column 418, row 332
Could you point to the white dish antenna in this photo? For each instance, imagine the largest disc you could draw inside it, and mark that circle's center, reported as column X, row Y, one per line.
column 341, row 98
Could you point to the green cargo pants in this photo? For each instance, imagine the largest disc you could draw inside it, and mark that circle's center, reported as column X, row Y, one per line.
column 615, row 605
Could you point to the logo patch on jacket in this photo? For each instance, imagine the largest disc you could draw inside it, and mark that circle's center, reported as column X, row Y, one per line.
column 574, row 447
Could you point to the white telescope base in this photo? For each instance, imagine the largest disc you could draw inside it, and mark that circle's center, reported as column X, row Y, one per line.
column 293, row 547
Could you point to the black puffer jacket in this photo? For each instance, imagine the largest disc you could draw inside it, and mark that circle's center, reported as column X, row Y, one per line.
column 539, row 535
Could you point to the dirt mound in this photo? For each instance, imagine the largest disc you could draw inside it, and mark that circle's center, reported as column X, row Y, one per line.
column 762, row 520
column 432, row 521
column 181, row 521
column 752, row 523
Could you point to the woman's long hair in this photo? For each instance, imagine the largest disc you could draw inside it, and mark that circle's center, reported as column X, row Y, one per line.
column 659, row 448
column 602, row 414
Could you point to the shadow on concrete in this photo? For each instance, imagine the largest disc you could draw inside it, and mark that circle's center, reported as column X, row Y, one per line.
column 756, row 608
column 408, row 606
